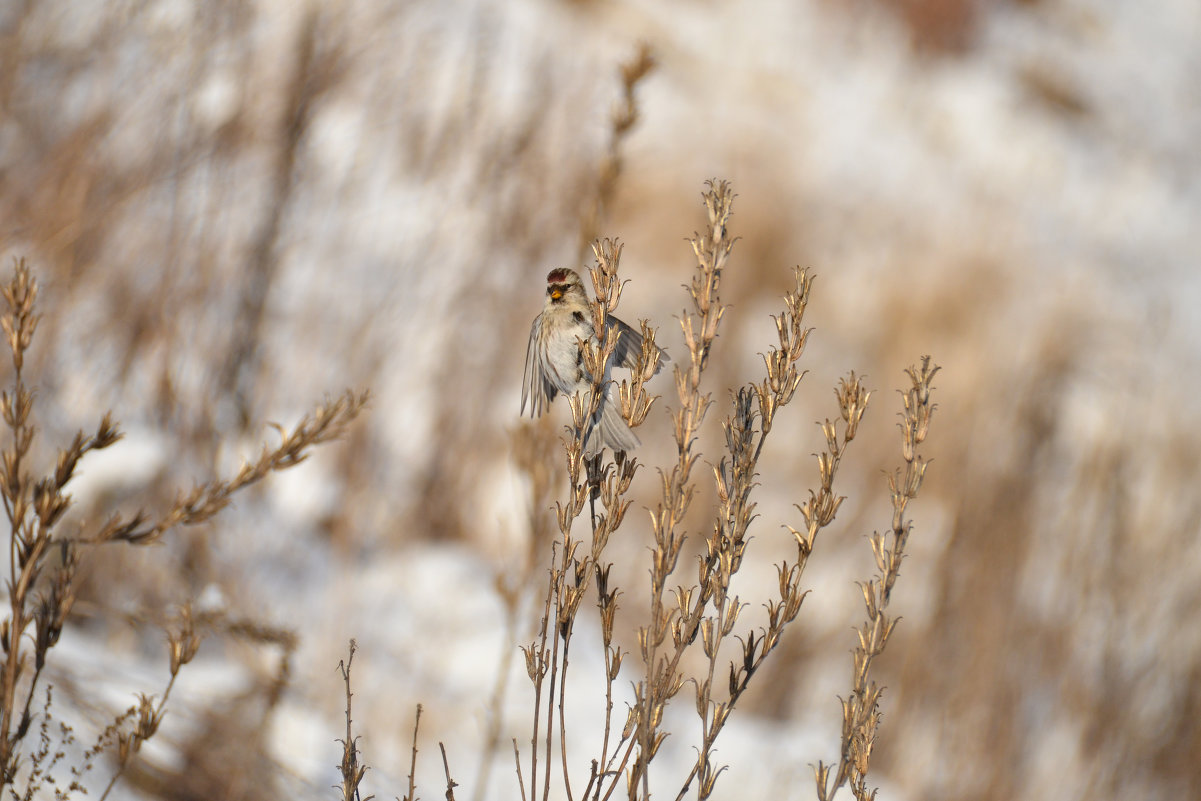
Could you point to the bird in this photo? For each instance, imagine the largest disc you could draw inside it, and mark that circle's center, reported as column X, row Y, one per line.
column 554, row 361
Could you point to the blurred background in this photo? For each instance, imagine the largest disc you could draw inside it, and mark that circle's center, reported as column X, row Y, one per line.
column 237, row 208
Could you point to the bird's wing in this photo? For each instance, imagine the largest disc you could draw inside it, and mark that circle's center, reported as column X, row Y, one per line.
column 536, row 388
column 629, row 345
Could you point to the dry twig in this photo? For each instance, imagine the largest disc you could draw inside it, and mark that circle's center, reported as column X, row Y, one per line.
column 43, row 562
column 352, row 771
column 861, row 711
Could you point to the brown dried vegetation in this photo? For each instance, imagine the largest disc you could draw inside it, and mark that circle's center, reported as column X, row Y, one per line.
column 44, row 559
column 705, row 612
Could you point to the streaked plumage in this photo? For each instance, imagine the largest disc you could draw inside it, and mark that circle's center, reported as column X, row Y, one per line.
column 554, row 363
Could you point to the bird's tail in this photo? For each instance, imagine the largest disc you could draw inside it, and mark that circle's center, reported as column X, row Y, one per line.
column 609, row 430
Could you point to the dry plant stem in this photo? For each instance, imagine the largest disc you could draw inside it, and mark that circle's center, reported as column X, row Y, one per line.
column 183, row 644
column 755, row 407
column 746, row 431
column 352, row 771
column 451, row 784
column 706, row 608
column 33, row 510
column 554, row 676
column 517, row 765
column 327, row 422
column 699, row 326
column 42, row 563
column 147, row 717
column 607, row 605
column 412, row 796
column 612, row 481
column 861, row 711
column 47, row 767
column 537, row 664
column 634, row 407
column 565, row 594
column 573, row 564
column 563, row 722
column 819, row 511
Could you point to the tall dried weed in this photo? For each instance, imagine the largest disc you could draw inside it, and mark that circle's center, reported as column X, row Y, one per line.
column 693, row 617
column 702, row 614
column 45, row 556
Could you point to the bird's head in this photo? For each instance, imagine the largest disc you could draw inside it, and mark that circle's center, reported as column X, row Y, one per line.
column 560, row 283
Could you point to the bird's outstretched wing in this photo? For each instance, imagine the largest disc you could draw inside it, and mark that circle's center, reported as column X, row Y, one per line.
column 629, row 345
column 536, row 388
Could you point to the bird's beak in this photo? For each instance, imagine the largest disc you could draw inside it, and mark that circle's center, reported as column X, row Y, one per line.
column 555, row 294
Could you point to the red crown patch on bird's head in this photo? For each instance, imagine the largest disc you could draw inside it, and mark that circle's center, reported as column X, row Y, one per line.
column 557, row 276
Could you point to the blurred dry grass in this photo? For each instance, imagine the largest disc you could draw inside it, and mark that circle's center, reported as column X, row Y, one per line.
column 234, row 208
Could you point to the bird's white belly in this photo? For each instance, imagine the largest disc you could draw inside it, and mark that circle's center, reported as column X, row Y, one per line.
column 563, row 354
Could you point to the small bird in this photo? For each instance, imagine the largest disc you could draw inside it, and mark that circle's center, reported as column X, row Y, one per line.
column 554, row 360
